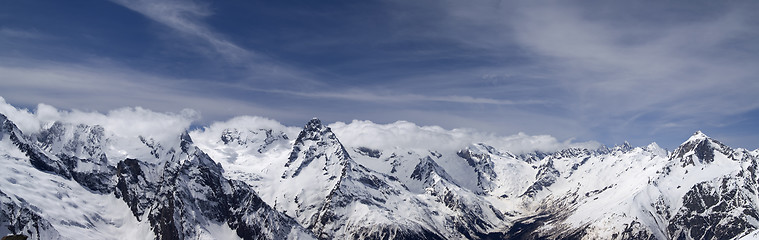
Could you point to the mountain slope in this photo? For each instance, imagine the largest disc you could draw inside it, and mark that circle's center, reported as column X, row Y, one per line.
column 702, row 190
column 253, row 178
column 339, row 198
column 175, row 192
column 322, row 186
column 621, row 192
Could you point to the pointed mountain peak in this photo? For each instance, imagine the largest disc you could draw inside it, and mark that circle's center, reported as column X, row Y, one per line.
column 316, row 141
column 697, row 136
column 699, row 148
column 314, row 124
column 185, row 137
column 185, row 141
column 624, row 147
column 478, row 157
column 656, row 149
column 315, row 131
column 426, row 168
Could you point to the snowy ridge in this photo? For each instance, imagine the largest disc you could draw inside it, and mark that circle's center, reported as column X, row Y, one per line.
column 253, row 178
column 584, row 193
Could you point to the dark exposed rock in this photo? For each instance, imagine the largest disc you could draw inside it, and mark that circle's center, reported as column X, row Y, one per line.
column 373, row 153
column 424, row 170
column 709, row 212
column 133, row 186
column 525, row 228
column 97, row 175
column 546, row 176
column 15, row 237
column 393, row 232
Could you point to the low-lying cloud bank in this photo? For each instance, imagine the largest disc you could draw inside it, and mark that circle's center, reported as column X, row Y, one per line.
column 405, row 134
column 128, row 122
column 133, row 122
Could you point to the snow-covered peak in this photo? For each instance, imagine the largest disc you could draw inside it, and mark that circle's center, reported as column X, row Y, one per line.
column 76, row 140
column 478, row 157
column 428, row 172
column 314, row 125
column 655, row 149
column 701, row 147
column 314, row 131
column 185, row 141
column 624, row 147
column 318, row 144
column 697, row 136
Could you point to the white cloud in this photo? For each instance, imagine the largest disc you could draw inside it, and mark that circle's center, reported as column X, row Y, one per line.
column 621, row 69
column 577, row 72
column 25, row 120
column 401, row 135
column 405, row 135
column 683, row 70
column 130, row 123
column 134, row 122
column 104, row 87
column 124, row 123
column 379, row 97
column 47, row 114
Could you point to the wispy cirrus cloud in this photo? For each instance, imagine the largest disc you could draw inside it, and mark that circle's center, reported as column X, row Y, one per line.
column 622, row 68
column 6, row 32
column 681, row 74
column 187, row 17
column 667, row 64
column 105, row 87
column 610, row 71
column 377, row 96
column 102, row 87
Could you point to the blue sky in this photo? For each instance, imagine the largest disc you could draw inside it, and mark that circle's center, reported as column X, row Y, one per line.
column 608, row 71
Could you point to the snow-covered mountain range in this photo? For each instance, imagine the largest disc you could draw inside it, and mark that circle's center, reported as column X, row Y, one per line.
column 254, row 178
